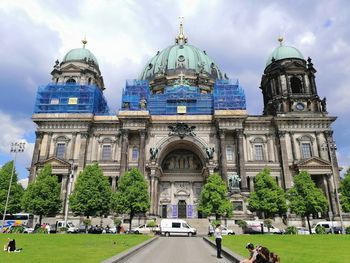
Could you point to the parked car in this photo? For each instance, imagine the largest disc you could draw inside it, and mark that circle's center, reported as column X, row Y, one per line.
column 303, row 231
column 225, row 231
column 95, row 230
column 144, row 229
column 254, row 227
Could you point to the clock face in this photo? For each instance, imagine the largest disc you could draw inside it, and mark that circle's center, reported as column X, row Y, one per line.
column 300, row 106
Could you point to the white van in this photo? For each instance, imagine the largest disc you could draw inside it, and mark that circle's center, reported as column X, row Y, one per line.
column 71, row 228
column 177, row 227
column 328, row 225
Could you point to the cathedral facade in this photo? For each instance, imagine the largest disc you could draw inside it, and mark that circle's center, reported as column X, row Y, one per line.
column 183, row 119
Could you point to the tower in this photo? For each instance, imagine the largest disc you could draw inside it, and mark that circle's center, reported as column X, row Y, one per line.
column 288, row 83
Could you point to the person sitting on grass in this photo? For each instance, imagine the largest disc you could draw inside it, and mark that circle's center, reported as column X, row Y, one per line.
column 263, row 255
column 274, row 258
column 252, row 254
column 11, row 246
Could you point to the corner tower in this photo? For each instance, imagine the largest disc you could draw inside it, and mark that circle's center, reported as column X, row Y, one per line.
column 79, row 66
column 288, row 83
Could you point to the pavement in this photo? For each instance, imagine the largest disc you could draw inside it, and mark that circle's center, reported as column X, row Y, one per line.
column 174, row 249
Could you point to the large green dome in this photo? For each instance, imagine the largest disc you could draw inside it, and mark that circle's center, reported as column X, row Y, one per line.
column 182, row 56
column 283, row 52
column 80, row 54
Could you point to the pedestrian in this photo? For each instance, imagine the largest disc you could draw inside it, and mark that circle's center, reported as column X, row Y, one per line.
column 252, row 254
column 218, row 238
column 48, row 228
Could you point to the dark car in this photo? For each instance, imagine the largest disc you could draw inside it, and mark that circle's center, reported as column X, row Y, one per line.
column 95, row 230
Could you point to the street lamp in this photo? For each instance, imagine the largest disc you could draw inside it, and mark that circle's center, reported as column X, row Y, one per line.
column 331, row 147
column 16, row 147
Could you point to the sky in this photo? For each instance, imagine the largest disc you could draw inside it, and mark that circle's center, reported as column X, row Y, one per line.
column 124, row 35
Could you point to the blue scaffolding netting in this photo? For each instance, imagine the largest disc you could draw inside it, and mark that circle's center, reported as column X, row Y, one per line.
column 70, row 98
column 227, row 95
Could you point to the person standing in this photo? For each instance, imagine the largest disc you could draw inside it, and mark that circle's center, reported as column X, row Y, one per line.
column 218, row 238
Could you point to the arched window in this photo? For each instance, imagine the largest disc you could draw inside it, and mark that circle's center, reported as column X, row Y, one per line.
column 305, row 144
column 229, row 153
column 60, row 150
column 258, row 152
column 106, row 152
column 71, row 81
column 135, row 153
column 295, row 84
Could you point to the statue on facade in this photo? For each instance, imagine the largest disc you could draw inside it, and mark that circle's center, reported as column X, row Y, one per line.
column 233, row 181
column 143, row 104
column 56, row 66
column 324, row 104
column 210, row 152
column 154, row 153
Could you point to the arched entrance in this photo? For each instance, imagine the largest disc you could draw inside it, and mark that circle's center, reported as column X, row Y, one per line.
column 181, row 179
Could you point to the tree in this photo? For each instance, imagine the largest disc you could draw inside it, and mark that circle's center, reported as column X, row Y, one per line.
column 16, row 191
column 213, row 198
column 268, row 197
column 132, row 195
column 305, row 198
column 92, row 193
column 345, row 192
column 42, row 197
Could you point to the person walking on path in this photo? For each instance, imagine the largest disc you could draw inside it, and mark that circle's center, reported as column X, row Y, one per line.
column 218, row 238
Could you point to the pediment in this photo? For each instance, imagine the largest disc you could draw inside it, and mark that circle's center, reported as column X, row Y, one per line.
column 55, row 162
column 70, row 67
column 313, row 162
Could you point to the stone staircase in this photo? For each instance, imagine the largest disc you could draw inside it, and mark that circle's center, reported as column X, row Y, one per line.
column 201, row 224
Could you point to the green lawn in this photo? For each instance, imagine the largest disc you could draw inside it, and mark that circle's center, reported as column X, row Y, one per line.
column 67, row 247
column 296, row 248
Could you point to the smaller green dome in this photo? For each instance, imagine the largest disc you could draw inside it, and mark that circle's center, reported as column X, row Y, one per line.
column 80, row 54
column 283, row 52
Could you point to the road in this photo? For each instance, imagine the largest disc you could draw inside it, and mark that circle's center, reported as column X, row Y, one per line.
column 177, row 250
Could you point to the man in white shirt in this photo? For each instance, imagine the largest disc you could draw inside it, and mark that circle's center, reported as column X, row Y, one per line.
column 218, row 238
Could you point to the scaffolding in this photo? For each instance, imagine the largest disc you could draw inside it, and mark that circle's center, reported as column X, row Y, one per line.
column 183, row 99
column 229, row 95
column 134, row 92
column 70, row 98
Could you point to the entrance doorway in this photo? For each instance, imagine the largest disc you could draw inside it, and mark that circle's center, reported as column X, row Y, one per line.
column 182, row 209
column 164, row 211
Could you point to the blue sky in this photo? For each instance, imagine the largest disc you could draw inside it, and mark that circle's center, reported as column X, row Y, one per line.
column 123, row 35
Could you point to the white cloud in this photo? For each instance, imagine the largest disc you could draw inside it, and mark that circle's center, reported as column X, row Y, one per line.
column 14, row 131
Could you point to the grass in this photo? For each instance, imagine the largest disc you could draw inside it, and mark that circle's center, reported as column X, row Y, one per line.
column 296, row 248
column 67, row 247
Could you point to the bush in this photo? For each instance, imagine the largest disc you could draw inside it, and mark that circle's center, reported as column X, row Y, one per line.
column 291, row 230
column 215, row 222
column 151, row 224
column 62, row 229
column 117, row 222
column 268, row 223
column 347, row 230
column 320, row 230
column 17, row 229
column 40, row 230
column 241, row 223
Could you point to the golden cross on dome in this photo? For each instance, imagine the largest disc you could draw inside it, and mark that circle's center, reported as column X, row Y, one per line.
column 181, row 38
column 84, row 41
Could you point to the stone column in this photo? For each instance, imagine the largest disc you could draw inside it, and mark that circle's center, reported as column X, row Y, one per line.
column 83, row 150
column 114, row 183
column 331, row 191
column 326, row 189
column 287, row 178
column 142, row 151
column 153, row 191
column 74, row 138
column 48, row 146
column 291, row 135
column 270, row 149
column 36, row 154
column 318, row 144
column 124, row 151
column 240, row 159
column 223, row 156
column 64, row 191
column 333, row 157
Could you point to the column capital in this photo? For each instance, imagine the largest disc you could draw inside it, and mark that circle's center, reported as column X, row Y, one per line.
column 142, row 133
column 281, row 134
column 124, row 132
column 39, row 134
column 328, row 134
